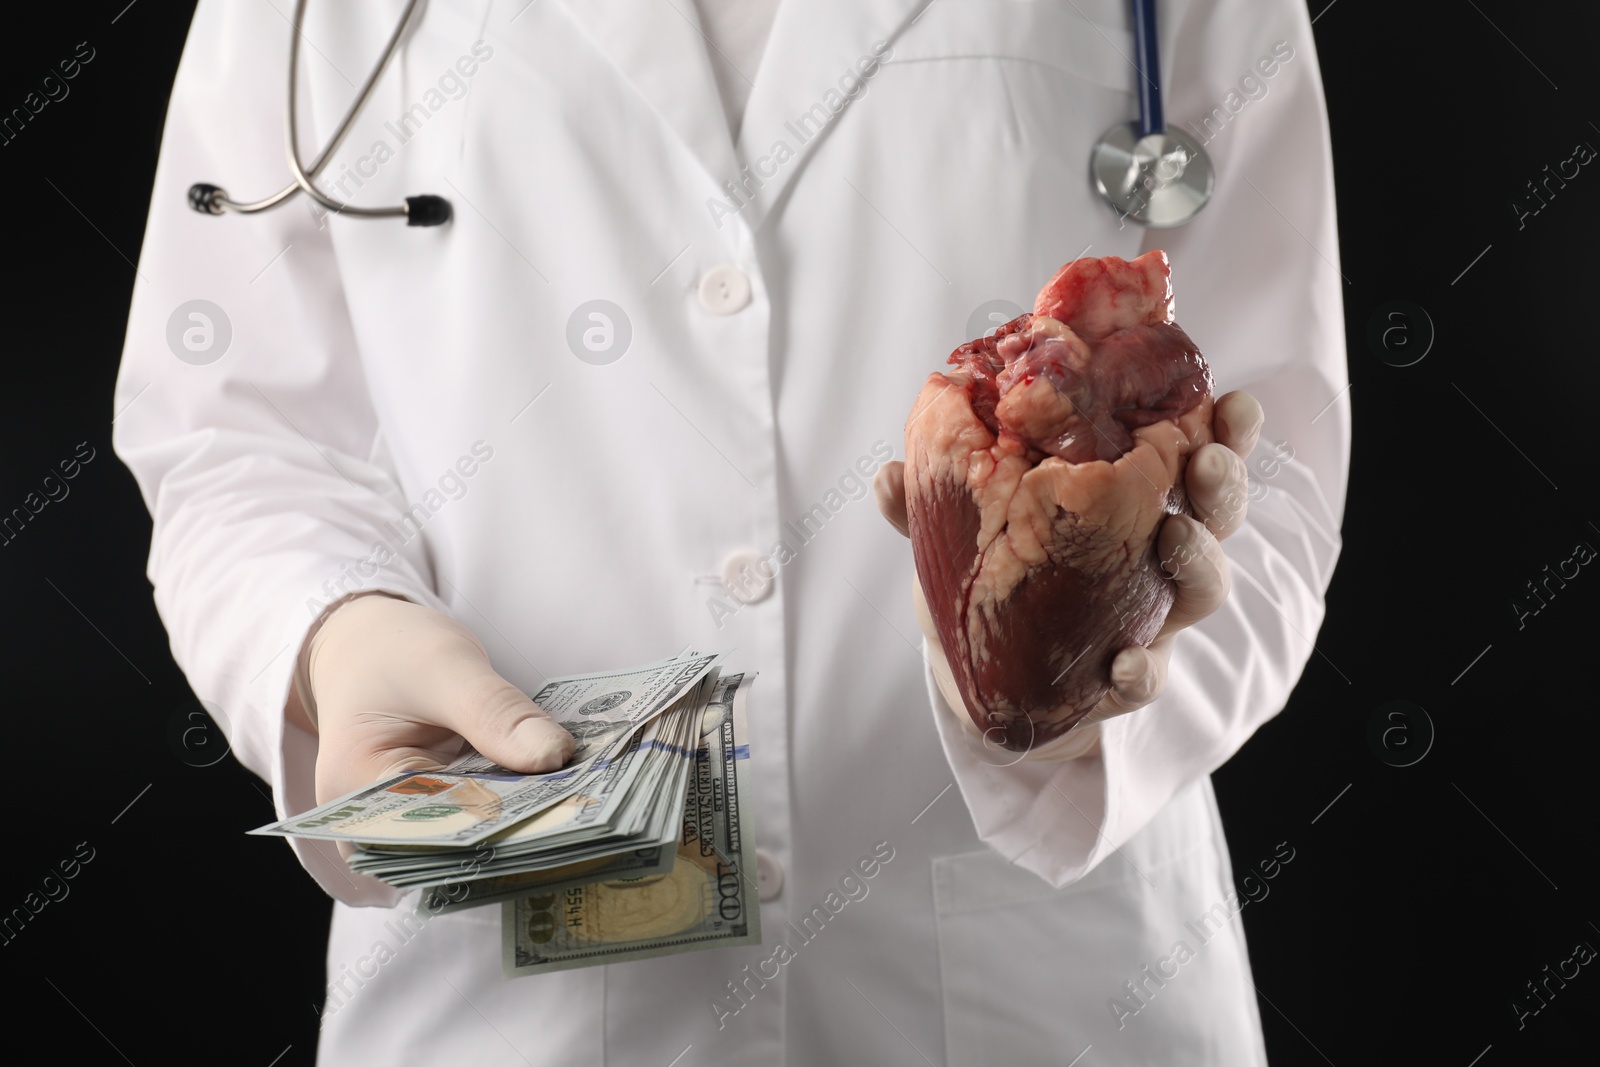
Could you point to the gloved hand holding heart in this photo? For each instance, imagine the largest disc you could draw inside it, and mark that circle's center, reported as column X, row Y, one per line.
column 1051, row 490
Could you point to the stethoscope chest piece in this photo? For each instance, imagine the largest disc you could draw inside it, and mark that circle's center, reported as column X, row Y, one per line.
column 1156, row 176
column 1159, row 180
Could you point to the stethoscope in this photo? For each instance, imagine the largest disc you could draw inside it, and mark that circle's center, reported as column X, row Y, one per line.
column 1157, row 177
column 424, row 210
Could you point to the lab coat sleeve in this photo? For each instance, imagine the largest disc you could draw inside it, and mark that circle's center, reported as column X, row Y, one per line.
column 1258, row 285
column 262, row 466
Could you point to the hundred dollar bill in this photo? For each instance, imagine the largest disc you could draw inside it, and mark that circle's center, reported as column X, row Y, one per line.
column 705, row 901
column 494, row 871
column 640, row 863
column 475, row 798
column 639, row 787
column 571, row 831
column 635, row 771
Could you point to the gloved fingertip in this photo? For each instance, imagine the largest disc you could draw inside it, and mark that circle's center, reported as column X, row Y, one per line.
column 1136, row 677
column 1129, row 668
column 557, row 751
column 1214, row 465
column 1239, row 418
column 1178, row 540
column 546, row 745
column 1256, row 418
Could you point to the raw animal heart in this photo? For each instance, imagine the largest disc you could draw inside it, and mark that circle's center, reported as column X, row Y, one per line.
column 1038, row 473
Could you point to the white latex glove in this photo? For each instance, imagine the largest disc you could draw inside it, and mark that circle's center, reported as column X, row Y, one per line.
column 391, row 686
column 1218, row 484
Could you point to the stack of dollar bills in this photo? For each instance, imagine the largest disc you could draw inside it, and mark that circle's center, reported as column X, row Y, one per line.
column 640, row 846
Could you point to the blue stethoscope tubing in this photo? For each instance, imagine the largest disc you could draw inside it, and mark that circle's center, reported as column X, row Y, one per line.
column 1155, row 176
column 1148, row 60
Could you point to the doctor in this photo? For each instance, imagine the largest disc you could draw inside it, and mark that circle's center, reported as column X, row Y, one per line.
column 400, row 475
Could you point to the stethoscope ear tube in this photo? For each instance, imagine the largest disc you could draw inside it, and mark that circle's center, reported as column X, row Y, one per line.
column 1148, row 60
column 423, row 210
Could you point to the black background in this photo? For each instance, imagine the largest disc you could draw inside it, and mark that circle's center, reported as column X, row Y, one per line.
column 1417, row 905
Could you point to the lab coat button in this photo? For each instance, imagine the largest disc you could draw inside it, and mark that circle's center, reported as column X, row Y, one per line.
column 748, row 577
column 724, row 290
column 769, row 875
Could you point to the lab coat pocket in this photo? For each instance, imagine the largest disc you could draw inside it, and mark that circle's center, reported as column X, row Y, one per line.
column 1085, row 38
column 990, row 104
column 1143, row 958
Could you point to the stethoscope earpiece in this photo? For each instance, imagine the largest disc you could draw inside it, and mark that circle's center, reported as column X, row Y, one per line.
column 427, row 210
column 206, row 199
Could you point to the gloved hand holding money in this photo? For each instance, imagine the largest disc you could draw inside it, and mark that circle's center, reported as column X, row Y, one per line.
column 638, row 846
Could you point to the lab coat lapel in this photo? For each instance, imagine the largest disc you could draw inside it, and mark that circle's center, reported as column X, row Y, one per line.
column 659, row 48
column 814, row 43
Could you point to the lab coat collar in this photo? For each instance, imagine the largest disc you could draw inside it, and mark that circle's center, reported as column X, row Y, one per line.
column 661, row 49
column 811, row 60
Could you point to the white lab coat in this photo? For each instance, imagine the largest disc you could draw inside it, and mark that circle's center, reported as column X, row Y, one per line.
column 367, row 359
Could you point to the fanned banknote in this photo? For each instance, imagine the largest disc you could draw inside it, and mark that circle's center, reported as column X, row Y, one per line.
column 704, row 901
column 472, row 893
column 628, row 803
column 475, row 798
